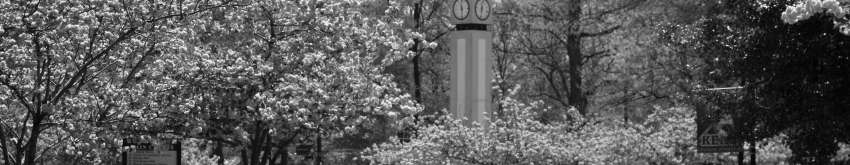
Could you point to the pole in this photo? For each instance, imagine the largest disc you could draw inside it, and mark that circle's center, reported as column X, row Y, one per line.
column 179, row 147
column 625, row 104
column 753, row 152
column 318, row 156
column 740, row 157
column 219, row 151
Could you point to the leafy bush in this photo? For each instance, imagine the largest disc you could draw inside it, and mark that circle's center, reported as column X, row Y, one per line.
column 667, row 137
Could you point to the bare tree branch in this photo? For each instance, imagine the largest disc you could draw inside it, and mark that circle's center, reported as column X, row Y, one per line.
column 599, row 33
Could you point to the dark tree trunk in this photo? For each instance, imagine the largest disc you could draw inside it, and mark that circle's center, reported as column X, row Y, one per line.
column 282, row 153
column 626, row 103
column 284, row 156
column 753, row 152
column 244, row 156
column 740, row 157
column 257, row 143
column 576, row 96
column 417, row 78
column 267, row 149
column 219, row 151
column 3, row 144
column 318, row 154
column 417, row 74
column 32, row 143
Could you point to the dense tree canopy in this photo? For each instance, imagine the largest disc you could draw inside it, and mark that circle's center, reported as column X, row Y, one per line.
column 794, row 66
column 283, row 81
column 79, row 76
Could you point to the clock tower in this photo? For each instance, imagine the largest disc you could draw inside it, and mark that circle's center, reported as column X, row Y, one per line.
column 471, row 51
column 470, row 12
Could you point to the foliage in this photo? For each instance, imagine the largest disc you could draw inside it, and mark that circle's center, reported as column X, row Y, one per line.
column 262, row 80
column 555, row 48
column 194, row 153
column 666, row 137
column 79, row 76
column 425, row 75
column 795, row 72
column 242, row 81
column 66, row 65
column 773, row 150
column 805, row 9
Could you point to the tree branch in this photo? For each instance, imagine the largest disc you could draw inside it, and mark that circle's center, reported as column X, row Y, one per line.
column 629, row 5
column 181, row 14
column 84, row 68
column 599, row 33
column 6, row 154
column 17, row 92
column 139, row 65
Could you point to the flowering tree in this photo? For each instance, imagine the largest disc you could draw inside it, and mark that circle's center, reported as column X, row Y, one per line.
column 666, row 137
column 805, row 9
column 792, row 71
column 69, row 61
column 253, row 76
column 259, row 77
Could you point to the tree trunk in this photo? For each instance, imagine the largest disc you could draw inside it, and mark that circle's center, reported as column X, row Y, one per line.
column 576, row 96
column 267, row 150
column 417, row 75
column 32, row 143
column 318, row 154
column 219, row 151
column 256, row 143
column 753, row 152
column 282, row 153
column 625, row 103
column 740, row 157
column 244, row 156
column 4, row 149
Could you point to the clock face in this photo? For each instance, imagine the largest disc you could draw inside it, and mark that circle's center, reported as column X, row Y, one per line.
column 482, row 9
column 460, row 9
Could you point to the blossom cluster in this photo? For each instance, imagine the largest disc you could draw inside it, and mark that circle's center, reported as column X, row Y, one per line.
column 805, row 9
column 666, row 137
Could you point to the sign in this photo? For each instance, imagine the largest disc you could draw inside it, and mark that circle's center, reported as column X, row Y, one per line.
column 151, row 152
column 152, row 158
column 716, row 132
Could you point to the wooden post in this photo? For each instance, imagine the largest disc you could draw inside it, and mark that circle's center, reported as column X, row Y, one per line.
column 219, row 151
column 318, row 154
column 625, row 104
column 178, row 146
column 740, row 157
column 753, row 152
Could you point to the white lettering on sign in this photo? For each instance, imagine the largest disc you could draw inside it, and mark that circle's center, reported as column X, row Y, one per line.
column 710, row 140
column 152, row 158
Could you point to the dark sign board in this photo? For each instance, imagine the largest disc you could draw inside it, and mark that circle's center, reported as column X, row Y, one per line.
column 151, row 152
column 716, row 130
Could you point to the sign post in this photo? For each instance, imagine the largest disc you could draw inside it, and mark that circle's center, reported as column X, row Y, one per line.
column 471, row 50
